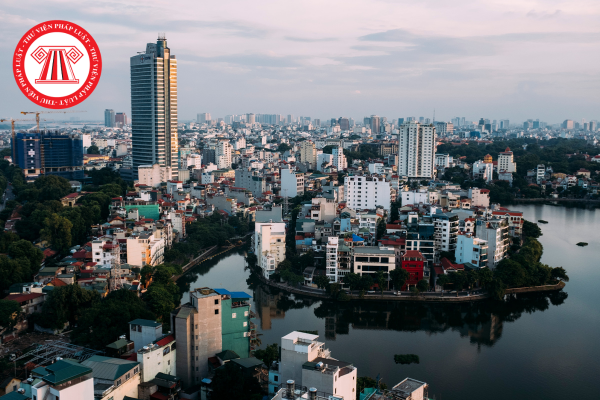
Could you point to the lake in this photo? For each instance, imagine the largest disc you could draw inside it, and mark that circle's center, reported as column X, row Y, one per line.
column 540, row 346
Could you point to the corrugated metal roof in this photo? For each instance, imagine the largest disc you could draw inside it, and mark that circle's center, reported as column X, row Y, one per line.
column 144, row 322
column 109, row 368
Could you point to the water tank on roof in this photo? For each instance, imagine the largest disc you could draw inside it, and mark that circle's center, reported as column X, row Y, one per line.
column 320, row 364
column 146, row 348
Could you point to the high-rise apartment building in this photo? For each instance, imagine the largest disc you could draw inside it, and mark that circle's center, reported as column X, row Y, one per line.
column 416, row 150
column 568, row 124
column 344, row 123
column 250, row 118
column 338, row 159
column 109, row 118
column 201, row 118
column 375, row 124
column 223, row 154
column 213, row 321
column 120, row 119
column 308, row 153
column 506, row 162
column 154, row 107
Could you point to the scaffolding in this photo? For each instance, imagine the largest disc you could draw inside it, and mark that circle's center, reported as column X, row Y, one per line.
column 46, row 354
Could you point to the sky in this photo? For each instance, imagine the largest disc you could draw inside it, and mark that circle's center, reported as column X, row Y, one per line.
column 496, row 59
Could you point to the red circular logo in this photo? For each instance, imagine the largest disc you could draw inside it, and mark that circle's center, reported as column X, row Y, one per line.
column 57, row 64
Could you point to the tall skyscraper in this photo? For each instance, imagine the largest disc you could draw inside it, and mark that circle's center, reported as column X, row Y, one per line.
column 109, row 118
column 120, row 119
column 250, row 118
column 416, row 150
column 154, row 107
column 374, row 124
column 344, row 123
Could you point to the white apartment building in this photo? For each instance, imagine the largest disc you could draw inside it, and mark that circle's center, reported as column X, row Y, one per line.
column 495, row 232
column 153, row 175
column 416, row 150
column 370, row 259
column 540, row 173
column 292, row 183
column 193, row 161
column 65, row 380
column 145, row 249
column 470, row 249
column 506, row 162
column 368, row 221
column 331, row 258
column 445, row 231
column 103, row 252
column 414, row 197
column 367, row 192
column 479, row 197
column 483, row 170
column 338, row 159
column 223, row 154
column 269, row 245
column 323, row 161
column 306, row 362
column 308, row 153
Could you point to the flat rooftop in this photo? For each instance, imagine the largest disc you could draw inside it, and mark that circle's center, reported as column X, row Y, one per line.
column 300, row 335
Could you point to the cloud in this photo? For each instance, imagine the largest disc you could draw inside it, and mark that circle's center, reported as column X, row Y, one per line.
column 309, row 40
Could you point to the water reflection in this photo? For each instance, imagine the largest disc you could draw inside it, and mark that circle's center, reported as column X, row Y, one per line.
column 481, row 322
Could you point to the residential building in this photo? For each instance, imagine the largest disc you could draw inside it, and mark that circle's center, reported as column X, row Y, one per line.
column 158, row 356
column 338, row 158
column 144, row 331
column 370, row 259
column 64, row 380
column 479, row 197
column 223, row 154
column 540, row 173
column 495, row 233
column 292, row 183
column 252, row 180
column 375, row 121
column 408, row 389
column 506, row 162
column 205, row 325
column 202, row 118
column 515, row 221
column 109, row 118
column 192, row 161
column 414, row 263
column 472, row 250
column 306, row 362
column 483, row 170
column 416, row 150
column 443, row 160
column 367, row 192
column 146, row 248
column 269, row 245
column 114, row 378
column 331, row 258
column 154, row 107
column 446, row 231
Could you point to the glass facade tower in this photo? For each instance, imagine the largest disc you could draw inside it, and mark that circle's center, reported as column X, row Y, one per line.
column 154, row 107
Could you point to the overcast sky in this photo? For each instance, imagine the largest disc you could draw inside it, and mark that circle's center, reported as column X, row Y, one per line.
column 496, row 59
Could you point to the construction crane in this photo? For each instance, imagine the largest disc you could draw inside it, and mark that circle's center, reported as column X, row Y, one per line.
column 12, row 127
column 37, row 114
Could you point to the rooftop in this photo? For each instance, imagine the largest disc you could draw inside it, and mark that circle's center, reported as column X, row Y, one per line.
column 373, row 250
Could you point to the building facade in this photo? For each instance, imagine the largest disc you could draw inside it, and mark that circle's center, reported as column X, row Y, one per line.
column 416, row 150
column 154, row 107
column 367, row 192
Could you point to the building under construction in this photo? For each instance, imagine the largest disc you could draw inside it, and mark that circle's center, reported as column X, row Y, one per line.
column 49, row 153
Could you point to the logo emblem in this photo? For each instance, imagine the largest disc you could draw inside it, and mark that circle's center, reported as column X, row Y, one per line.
column 57, row 64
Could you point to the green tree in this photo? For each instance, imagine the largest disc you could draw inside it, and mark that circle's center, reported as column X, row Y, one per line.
column 398, row 277
column 366, row 282
column 531, row 229
column 365, row 382
column 511, row 273
column 268, row 355
column 352, row 280
column 422, row 285
column 321, row 281
column 283, row 147
column 229, row 383
column 52, row 187
column 57, row 231
column 381, row 228
column 108, row 319
column 13, row 271
column 560, row 274
column 65, row 304
column 93, row 149
column 23, row 249
column 381, row 279
column 10, row 312
column 443, row 280
column 496, row 289
column 159, row 300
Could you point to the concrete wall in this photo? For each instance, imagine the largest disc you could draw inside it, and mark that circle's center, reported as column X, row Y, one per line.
column 158, row 359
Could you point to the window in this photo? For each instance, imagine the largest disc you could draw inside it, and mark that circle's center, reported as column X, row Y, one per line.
column 233, row 315
column 216, row 302
column 216, row 312
column 246, row 313
column 275, row 378
column 245, row 323
column 118, row 383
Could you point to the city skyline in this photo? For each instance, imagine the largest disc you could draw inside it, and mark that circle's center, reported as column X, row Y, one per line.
column 374, row 58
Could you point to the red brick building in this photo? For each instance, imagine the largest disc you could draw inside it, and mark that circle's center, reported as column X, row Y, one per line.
column 413, row 262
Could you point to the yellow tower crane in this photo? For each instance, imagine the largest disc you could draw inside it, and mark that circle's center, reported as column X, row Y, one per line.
column 37, row 114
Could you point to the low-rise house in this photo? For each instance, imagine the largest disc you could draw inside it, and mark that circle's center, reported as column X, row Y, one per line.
column 114, row 378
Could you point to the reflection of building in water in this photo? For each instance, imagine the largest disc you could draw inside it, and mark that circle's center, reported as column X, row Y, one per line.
column 486, row 333
column 266, row 307
column 481, row 327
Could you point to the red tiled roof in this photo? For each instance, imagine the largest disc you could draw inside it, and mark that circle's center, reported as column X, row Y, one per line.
column 23, row 297
column 57, row 282
column 166, row 340
column 413, row 254
column 72, row 195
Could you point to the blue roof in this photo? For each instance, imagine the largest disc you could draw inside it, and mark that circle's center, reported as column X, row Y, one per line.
column 356, row 238
column 233, row 295
column 221, row 291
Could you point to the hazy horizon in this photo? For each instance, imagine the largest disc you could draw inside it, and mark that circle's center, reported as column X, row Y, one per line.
column 506, row 60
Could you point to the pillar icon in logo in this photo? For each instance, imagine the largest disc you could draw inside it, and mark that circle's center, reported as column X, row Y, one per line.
column 57, row 63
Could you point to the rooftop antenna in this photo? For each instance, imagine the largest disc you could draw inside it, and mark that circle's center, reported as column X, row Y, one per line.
column 434, row 115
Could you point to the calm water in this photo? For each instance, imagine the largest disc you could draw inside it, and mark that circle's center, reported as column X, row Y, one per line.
column 533, row 347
